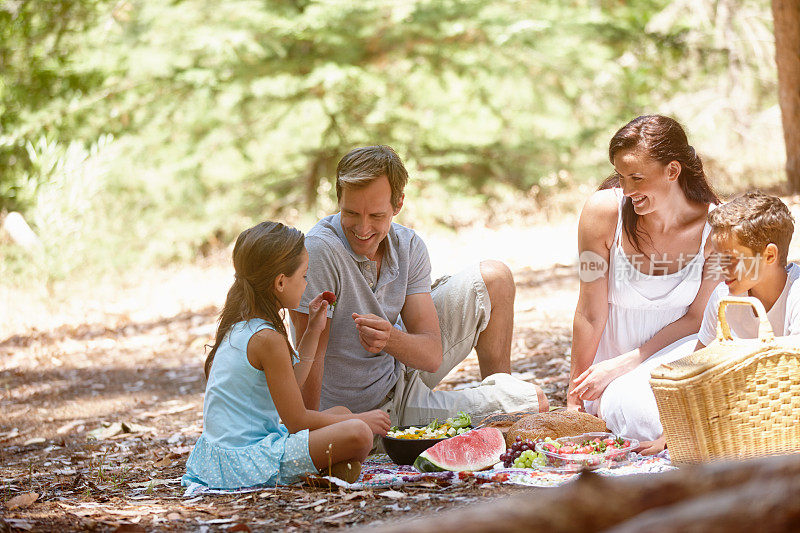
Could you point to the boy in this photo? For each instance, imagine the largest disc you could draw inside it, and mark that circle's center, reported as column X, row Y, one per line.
column 750, row 236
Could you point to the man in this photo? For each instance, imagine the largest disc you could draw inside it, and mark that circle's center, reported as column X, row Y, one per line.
column 391, row 337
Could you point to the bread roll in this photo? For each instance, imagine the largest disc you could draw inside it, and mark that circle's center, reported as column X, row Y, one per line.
column 555, row 424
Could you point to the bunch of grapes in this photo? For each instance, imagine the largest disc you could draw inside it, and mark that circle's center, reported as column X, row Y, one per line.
column 521, row 454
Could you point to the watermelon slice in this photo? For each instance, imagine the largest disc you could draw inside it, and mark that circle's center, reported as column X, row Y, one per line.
column 474, row 450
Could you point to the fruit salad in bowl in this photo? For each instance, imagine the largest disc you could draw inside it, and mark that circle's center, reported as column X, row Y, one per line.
column 586, row 451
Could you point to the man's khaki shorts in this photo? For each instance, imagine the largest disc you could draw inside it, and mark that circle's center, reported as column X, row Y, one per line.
column 462, row 303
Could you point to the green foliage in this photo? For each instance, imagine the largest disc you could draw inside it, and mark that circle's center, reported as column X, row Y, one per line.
column 41, row 80
column 227, row 112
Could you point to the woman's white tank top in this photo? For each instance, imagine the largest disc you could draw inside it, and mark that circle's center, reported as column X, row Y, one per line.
column 639, row 304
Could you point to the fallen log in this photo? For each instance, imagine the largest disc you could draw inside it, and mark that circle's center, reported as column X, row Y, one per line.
column 595, row 503
column 763, row 506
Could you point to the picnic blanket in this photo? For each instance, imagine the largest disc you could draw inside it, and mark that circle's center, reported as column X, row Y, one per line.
column 379, row 471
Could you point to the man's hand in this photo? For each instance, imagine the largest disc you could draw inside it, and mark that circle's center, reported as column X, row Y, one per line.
column 317, row 314
column 373, row 332
column 377, row 420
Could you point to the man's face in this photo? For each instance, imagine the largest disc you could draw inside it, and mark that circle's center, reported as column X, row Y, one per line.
column 367, row 214
column 738, row 265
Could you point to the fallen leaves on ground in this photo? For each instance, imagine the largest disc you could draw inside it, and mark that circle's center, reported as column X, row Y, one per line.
column 21, row 500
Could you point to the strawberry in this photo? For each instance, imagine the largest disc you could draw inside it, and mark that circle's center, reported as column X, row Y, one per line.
column 330, row 298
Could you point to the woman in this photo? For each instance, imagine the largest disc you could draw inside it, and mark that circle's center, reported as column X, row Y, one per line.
column 647, row 224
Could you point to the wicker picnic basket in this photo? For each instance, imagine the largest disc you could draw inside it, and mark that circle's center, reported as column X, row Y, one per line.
column 735, row 398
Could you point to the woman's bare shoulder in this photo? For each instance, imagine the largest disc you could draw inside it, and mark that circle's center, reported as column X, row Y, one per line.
column 599, row 213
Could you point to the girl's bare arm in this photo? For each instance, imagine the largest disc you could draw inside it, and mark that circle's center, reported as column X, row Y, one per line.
column 269, row 349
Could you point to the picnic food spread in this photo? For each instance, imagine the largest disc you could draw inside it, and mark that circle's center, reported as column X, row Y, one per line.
column 474, row 450
column 453, row 445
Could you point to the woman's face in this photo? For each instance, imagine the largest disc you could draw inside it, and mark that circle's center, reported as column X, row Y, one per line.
column 644, row 180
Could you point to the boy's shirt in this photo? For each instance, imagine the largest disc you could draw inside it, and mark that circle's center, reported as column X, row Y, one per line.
column 784, row 315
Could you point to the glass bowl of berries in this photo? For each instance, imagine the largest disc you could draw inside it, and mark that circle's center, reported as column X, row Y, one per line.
column 586, row 451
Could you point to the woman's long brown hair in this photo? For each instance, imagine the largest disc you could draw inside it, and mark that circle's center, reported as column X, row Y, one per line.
column 260, row 254
column 663, row 139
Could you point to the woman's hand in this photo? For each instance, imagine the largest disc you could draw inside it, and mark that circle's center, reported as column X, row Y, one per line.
column 594, row 380
column 377, row 420
column 652, row 447
column 317, row 314
column 573, row 402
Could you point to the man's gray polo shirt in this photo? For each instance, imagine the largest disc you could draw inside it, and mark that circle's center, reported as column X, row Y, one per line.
column 354, row 377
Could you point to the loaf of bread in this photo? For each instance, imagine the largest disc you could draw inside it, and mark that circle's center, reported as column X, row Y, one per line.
column 504, row 421
column 555, row 424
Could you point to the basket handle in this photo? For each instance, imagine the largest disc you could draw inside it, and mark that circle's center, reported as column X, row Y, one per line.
column 765, row 332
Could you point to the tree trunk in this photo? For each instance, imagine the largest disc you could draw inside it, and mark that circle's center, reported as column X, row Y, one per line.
column 786, row 19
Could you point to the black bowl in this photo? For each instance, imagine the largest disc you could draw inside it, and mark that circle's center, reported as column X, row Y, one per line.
column 406, row 451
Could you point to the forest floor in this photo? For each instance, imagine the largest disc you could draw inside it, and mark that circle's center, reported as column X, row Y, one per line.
column 101, row 395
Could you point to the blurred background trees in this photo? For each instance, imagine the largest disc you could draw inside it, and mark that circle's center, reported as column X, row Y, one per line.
column 156, row 129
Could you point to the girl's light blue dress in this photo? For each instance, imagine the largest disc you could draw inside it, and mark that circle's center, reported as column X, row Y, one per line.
column 243, row 442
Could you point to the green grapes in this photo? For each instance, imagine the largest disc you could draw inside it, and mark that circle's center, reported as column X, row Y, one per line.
column 528, row 458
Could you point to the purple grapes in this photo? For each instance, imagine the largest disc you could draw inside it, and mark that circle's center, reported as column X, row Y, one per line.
column 515, row 450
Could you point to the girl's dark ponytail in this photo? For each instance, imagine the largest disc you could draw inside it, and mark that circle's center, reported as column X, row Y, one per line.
column 260, row 254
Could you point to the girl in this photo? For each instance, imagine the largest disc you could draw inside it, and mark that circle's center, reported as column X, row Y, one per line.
column 252, row 382
column 647, row 226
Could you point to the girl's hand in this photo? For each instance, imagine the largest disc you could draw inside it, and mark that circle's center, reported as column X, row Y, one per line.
column 652, row 447
column 317, row 314
column 377, row 420
column 594, row 380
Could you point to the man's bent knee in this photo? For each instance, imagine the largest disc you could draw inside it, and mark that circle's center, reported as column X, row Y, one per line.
column 497, row 276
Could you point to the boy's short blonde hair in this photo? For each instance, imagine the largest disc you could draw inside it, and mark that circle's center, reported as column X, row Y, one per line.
column 756, row 220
